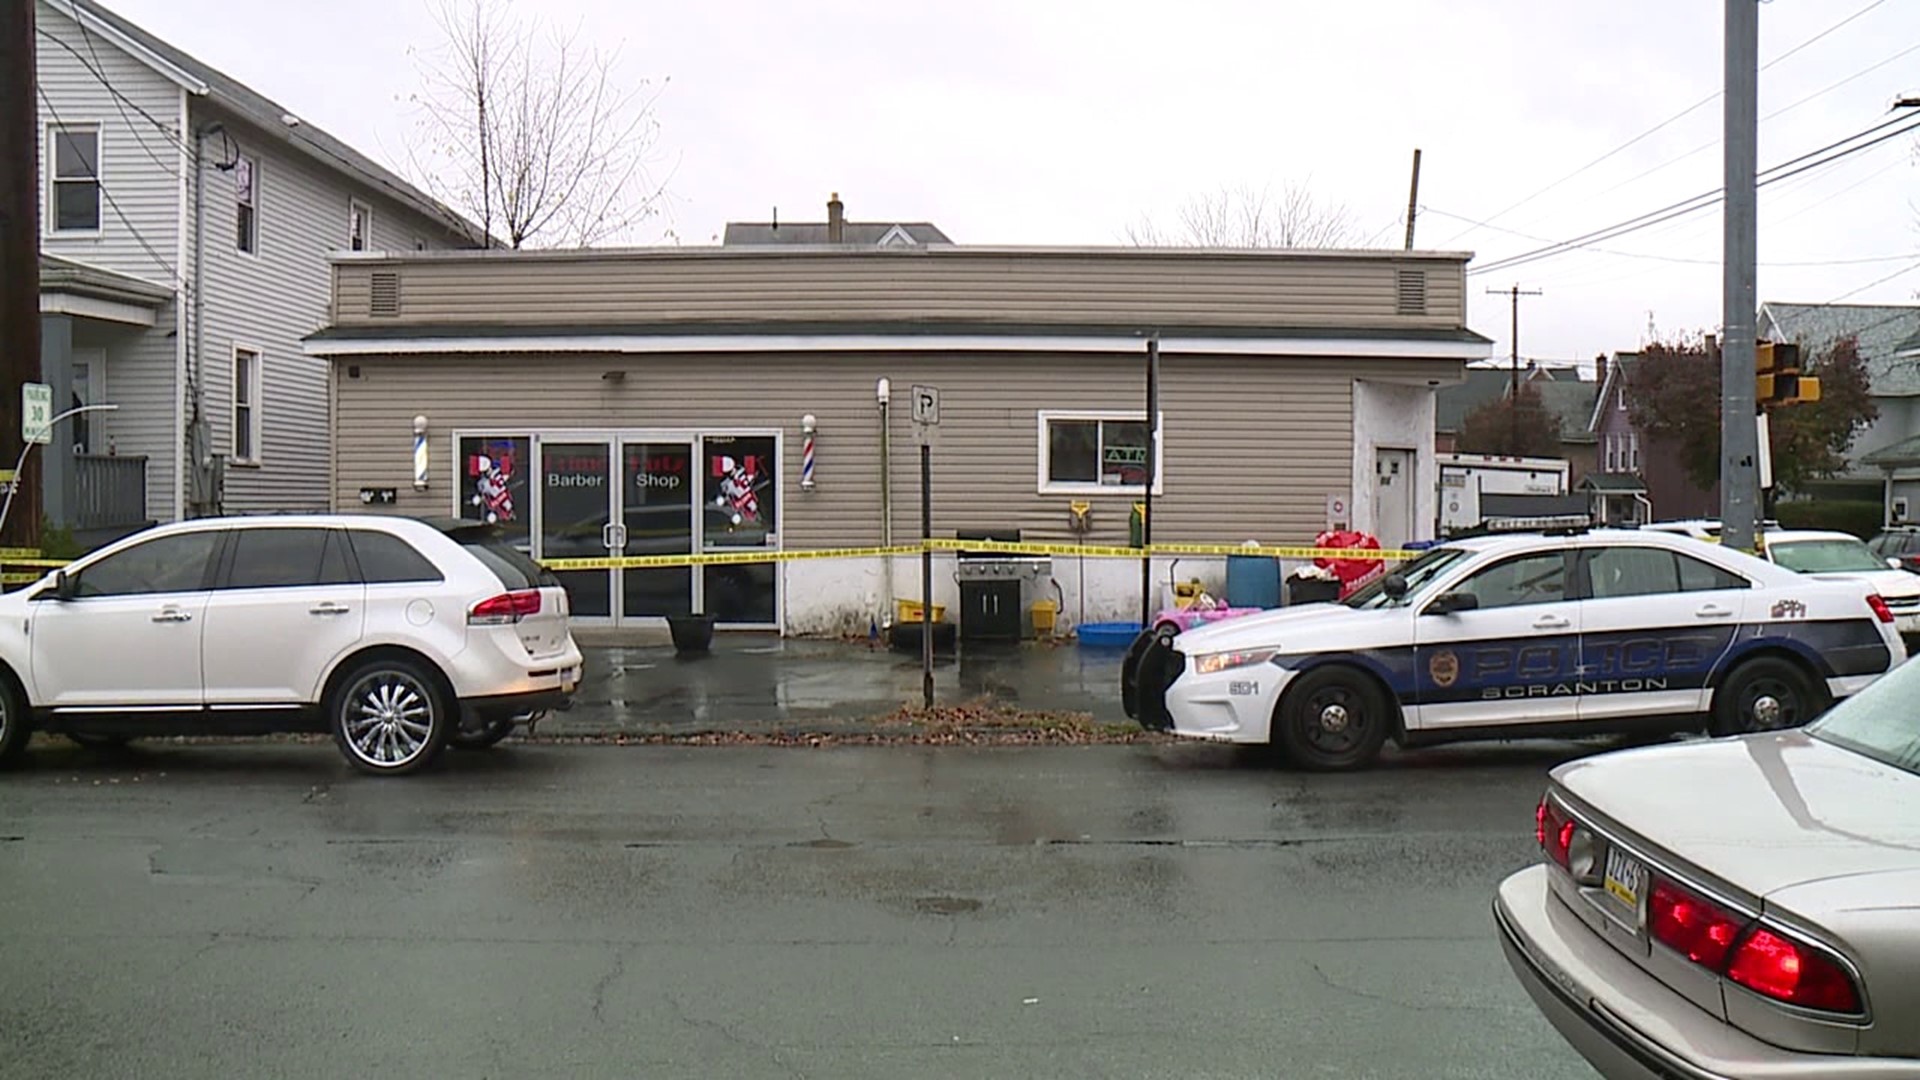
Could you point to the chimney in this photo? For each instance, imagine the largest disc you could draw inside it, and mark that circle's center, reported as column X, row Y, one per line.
column 1600, row 368
column 836, row 220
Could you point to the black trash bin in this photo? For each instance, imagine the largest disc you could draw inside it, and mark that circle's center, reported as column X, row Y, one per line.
column 1311, row 591
column 691, row 633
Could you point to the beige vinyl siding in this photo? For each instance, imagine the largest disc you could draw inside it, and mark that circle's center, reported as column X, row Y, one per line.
column 1252, row 446
column 271, row 299
column 1122, row 287
column 139, row 161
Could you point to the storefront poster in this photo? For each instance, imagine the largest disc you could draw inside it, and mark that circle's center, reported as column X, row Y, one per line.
column 493, row 478
column 740, row 488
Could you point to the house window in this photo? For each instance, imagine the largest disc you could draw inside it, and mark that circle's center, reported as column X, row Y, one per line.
column 246, row 201
column 74, row 182
column 1633, row 451
column 1613, row 453
column 246, row 406
column 359, row 226
column 1095, row 452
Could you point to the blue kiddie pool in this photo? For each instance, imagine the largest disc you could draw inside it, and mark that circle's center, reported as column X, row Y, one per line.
column 1107, row 635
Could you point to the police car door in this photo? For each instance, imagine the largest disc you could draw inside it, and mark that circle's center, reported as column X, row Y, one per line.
column 1654, row 624
column 1500, row 646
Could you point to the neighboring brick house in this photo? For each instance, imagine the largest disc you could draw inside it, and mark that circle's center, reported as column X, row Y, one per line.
column 1637, row 478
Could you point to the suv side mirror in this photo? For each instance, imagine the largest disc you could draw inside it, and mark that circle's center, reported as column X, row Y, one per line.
column 64, row 587
column 1453, row 603
column 1895, row 563
column 1395, row 586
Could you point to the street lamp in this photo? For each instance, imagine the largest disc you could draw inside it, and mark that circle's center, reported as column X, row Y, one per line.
column 14, row 485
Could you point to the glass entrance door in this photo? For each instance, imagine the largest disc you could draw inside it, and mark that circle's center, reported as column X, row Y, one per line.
column 656, row 510
column 577, row 519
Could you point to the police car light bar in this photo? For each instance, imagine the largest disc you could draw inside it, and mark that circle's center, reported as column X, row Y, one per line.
column 1537, row 524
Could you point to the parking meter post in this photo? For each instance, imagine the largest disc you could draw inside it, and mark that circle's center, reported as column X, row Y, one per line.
column 926, row 574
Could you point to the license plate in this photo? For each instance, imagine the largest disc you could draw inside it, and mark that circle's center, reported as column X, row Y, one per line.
column 1626, row 877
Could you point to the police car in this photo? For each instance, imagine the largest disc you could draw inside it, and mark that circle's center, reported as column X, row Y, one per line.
column 1523, row 635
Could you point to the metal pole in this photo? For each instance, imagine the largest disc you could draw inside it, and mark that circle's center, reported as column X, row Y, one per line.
column 926, row 573
column 1738, row 438
column 1146, row 518
column 883, row 391
column 19, row 251
column 1513, row 389
column 1413, row 198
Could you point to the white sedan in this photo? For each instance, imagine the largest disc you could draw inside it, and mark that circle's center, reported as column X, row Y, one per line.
column 1578, row 633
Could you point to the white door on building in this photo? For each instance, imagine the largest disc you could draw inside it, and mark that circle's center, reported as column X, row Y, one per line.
column 1392, row 496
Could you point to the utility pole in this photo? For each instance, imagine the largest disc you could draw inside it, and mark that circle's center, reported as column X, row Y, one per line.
column 1739, row 439
column 19, row 255
column 1513, row 391
column 1413, row 198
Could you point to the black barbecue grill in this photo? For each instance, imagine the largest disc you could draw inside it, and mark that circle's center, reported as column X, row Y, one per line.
column 997, row 587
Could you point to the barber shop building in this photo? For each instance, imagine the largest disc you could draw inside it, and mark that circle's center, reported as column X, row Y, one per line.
column 758, row 397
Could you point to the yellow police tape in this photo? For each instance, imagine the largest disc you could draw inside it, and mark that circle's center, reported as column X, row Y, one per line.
column 1086, row 551
column 14, row 557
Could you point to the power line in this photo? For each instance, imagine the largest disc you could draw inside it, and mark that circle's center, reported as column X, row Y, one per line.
column 106, row 194
column 1907, row 269
column 1777, row 112
column 119, row 97
column 1664, row 258
column 1705, row 200
column 119, row 101
column 1676, row 117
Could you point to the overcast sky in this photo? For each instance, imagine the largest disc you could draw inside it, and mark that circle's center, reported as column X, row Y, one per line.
column 1049, row 122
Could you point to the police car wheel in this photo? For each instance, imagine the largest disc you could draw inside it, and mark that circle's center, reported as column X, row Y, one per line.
column 1332, row 719
column 1767, row 694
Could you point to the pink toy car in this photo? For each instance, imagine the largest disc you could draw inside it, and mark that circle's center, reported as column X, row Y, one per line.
column 1188, row 618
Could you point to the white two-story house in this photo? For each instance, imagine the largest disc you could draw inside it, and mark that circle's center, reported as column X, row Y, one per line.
column 187, row 224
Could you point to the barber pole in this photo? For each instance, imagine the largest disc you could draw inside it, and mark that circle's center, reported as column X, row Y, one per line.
column 420, row 460
column 806, row 453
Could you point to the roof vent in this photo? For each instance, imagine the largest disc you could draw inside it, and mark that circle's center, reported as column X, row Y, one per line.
column 384, row 298
column 1411, row 298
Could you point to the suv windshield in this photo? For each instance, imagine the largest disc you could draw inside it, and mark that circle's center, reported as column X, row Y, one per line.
column 1879, row 721
column 1419, row 574
column 1824, row 556
column 513, row 567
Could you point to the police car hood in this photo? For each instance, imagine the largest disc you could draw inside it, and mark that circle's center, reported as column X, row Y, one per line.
column 1307, row 628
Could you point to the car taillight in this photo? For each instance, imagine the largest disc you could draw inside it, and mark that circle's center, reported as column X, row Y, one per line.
column 1763, row 960
column 505, row 609
column 1553, row 828
column 1699, row 928
column 1773, row 965
column 1880, row 609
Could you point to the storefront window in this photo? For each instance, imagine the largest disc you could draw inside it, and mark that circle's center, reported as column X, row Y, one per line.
column 493, row 479
column 1092, row 452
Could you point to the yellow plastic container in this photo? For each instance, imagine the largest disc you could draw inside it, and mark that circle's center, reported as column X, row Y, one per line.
column 910, row 611
column 1044, row 612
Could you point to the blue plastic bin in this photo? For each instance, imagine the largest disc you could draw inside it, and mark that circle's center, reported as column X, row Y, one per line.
column 1253, row 581
column 1107, row 635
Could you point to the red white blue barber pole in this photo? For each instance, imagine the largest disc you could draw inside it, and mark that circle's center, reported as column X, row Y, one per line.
column 806, row 453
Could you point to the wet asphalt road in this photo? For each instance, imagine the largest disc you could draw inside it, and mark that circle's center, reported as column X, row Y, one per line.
column 1186, row 911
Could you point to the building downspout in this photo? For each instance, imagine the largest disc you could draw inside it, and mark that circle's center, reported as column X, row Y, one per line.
column 197, row 445
column 883, row 393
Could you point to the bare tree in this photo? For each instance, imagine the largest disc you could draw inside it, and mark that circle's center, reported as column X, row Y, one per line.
column 1245, row 217
column 523, row 128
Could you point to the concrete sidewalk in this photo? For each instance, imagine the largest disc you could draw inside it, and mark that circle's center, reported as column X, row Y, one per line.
column 763, row 683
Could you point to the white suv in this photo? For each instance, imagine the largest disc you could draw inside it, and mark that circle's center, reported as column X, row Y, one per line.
column 397, row 635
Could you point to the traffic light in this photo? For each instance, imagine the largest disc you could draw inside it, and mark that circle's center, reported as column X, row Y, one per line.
column 1777, row 379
